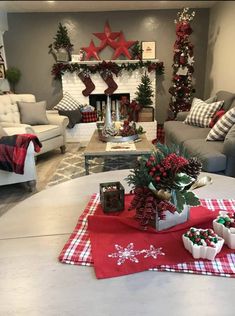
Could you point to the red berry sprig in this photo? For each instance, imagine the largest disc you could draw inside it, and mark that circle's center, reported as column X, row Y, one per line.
column 202, row 237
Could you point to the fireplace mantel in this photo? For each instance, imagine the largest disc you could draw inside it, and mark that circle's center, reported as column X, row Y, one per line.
column 117, row 61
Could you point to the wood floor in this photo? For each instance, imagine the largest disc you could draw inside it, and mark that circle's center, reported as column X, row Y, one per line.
column 46, row 165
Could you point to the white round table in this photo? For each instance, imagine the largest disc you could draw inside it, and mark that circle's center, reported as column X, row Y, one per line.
column 33, row 282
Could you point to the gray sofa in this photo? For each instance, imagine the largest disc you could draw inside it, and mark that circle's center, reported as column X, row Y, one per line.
column 216, row 156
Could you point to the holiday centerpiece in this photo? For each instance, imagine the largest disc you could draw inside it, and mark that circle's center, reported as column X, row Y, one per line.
column 161, row 187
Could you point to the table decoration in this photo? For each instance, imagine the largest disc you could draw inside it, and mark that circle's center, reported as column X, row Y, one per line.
column 112, row 197
column 202, row 243
column 161, row 186
column 77, row 250
column 224, row 226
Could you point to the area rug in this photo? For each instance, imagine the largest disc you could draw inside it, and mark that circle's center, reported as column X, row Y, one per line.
column 73, row 166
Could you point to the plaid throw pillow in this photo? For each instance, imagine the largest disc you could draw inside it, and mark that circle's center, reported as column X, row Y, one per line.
column 68, row 103
column 221, row 128
column 88, row 117
column 201, row 112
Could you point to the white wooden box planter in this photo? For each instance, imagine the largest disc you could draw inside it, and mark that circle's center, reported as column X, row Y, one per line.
column 203, row 252
column 228, row 234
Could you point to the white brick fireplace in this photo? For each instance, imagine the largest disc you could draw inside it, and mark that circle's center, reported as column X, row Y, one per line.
column 127, row 82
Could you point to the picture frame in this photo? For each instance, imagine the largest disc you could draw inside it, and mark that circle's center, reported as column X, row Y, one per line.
column 148, row 50
column 75, row 58
column 2, row 71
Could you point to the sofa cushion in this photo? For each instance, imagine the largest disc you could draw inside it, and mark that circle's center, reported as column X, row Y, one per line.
column 210, row 154
column 227, row 97
column 211, row 99
column 74, row 116
column 177, row 132
column 67, row 103
column 221, row 128
column 201, row 112
column 216, row 117
column 33, row 113
column 45, row 132
column 9, row 111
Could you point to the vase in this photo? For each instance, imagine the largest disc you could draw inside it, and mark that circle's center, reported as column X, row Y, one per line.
column 172, row 219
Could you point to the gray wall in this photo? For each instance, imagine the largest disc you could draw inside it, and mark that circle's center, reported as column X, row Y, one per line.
column 220, row 72
column 29, row 35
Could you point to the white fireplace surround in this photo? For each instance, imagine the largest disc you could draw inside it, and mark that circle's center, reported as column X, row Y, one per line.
column 127, row 82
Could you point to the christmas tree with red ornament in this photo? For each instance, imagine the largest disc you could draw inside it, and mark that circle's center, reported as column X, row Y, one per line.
column 182, row 89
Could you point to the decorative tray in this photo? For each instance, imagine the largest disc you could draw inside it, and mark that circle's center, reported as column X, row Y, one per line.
column 118, row 139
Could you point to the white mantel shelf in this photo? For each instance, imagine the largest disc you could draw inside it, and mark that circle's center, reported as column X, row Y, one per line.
column 117, row 61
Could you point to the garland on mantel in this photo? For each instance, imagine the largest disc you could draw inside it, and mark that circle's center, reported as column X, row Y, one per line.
column 59, row 69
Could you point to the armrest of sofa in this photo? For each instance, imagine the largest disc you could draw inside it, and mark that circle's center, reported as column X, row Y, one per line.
column 16, row 128
column 60, row 120
column 229, row 150
column 181, row 116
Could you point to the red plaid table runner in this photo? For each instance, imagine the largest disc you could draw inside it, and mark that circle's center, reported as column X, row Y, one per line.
column 77, row 250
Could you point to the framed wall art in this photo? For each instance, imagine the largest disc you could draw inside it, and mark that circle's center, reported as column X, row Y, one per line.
column 148, row 50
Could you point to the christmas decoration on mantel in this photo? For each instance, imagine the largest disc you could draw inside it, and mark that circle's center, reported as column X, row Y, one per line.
column 182, row 89
column 62, row 47
column 105, row 69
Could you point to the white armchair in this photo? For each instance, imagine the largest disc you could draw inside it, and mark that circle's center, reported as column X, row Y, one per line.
column 51, row 135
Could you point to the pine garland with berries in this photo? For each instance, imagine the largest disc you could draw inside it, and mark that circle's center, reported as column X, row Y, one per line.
column 182, row 89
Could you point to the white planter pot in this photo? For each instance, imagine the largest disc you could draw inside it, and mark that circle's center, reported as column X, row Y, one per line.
column 173, row 219
column 203, row 252
column 228, row 234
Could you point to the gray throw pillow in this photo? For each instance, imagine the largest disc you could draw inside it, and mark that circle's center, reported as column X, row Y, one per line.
column 33, row 113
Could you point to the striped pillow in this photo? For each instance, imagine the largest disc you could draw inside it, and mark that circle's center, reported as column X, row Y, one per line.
column 68, row 103
column 201, row 112
column 221, row 128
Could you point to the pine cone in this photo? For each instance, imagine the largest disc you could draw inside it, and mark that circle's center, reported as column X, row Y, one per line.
column 193, row 168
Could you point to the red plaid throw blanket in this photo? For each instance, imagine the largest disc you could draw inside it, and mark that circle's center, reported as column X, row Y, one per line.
column 77, row 250
column 13, row 150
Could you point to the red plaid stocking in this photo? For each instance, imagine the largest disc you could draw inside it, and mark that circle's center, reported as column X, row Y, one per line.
column 108, row 78
column 86, row 79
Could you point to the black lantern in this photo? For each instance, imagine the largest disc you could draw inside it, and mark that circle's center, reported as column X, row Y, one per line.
column 112, row 196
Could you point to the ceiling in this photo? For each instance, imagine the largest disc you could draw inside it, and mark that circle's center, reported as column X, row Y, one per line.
column 88, row 6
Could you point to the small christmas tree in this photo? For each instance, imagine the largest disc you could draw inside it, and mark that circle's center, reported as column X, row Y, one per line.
column 144, row 92
column 62, row 39
column 182, row 89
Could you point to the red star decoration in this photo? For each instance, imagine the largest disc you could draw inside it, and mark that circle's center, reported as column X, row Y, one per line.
column 122, row 47
column 91, row 51
column 107, row 37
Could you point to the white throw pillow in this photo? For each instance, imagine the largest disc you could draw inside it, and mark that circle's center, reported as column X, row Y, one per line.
column 221, row 128
column 201, row 112
column 67, row 103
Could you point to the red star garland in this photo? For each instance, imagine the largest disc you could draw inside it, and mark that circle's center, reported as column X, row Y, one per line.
column 107, row 37
column 91, row 51
column 122, row 46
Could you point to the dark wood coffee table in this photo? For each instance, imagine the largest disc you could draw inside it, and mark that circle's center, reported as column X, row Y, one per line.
column 97, row 149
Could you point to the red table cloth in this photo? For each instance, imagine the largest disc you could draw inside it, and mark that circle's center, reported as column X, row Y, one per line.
column 119, row 256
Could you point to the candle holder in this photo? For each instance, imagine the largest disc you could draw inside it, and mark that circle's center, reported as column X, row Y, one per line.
column 112, row 197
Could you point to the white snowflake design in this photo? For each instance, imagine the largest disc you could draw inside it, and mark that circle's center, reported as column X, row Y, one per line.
column 124, row 254
column 153, row 252
column 129, row 253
